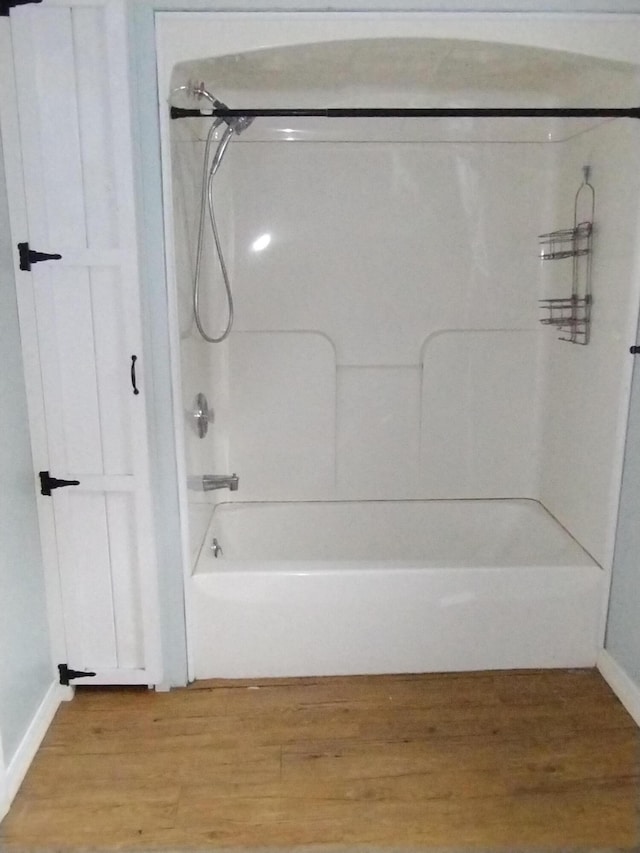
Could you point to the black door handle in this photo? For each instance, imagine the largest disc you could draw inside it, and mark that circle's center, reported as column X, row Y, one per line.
column 134, row 358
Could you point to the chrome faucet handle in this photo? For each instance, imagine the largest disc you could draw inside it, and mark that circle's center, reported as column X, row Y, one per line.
column 202, row 415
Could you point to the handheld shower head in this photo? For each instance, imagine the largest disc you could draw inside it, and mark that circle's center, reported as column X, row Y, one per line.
column 238, row 123
column 222, row 147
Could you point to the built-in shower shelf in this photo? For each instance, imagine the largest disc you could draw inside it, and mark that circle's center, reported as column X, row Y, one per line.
column 571, row 315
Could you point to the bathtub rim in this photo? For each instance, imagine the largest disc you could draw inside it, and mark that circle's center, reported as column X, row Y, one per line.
column 311, row 566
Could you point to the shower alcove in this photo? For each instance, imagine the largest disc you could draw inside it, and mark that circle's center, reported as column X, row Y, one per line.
column 428, row 477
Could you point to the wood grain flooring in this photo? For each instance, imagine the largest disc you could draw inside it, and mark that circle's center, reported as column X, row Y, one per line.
column 544, row 758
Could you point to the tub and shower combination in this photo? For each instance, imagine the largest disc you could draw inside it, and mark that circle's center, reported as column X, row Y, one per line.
column 402, row 344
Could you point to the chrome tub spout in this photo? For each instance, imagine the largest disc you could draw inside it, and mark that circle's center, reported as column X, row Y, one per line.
column 219, row 481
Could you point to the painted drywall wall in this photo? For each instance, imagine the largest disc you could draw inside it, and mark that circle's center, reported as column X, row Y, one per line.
column 25, row 664
column 623, row 624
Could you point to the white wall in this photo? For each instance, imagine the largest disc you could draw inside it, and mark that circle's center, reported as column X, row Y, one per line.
column 201, row 361
column 623, row 625
column 25, row 664
column 204, row 366
column 586, row 393
column 385, row 341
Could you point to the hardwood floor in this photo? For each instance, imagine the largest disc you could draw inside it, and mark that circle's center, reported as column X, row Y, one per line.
column 545, row 758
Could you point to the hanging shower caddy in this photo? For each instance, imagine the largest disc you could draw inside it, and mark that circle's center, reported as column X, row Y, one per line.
column 571, row 315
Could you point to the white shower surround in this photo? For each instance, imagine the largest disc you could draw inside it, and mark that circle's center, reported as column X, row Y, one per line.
column 533, row 457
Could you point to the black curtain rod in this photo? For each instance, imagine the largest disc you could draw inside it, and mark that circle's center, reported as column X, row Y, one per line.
column 438, row 112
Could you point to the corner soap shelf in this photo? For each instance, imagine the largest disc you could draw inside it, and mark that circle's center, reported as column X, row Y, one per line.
column 572, row 314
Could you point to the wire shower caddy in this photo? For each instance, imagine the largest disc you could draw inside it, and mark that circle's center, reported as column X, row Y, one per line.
column 571, row 315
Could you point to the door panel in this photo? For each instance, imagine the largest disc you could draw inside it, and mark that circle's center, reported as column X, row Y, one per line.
column 76, row 161
column 125, row 591
column 83, row 519
column 92, row 64
column 113, row 353
column 65, row 294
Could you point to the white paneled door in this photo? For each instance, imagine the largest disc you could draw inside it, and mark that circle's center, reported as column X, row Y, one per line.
column 80, row 319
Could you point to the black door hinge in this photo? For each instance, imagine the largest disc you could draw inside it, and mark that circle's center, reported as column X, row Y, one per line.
column 48, row 483
column 5, row 5
column 66, row 674
column 635, row 350
column 30, row 256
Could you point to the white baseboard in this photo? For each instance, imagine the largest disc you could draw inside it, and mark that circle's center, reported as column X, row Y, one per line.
column 625, row 689
column 17, row 768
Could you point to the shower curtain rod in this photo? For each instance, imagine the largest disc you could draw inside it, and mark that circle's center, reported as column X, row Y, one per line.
column 438, row 112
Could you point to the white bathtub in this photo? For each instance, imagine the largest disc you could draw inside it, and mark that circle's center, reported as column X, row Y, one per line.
column 331, row 588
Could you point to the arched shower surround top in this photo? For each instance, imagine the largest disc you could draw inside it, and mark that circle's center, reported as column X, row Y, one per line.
column 397, row 71
column 408, row 72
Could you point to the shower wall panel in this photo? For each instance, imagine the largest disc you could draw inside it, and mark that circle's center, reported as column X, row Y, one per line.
column 378, row 439
column 416, row 264
column 282, row 414
column 479, row 417
column 204, row 367
column 379, row 245
column 586, row 396
column 416, row 267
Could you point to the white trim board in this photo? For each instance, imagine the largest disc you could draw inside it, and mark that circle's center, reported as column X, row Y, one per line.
column 4, row 791
column 625, row 689
column 12, row 775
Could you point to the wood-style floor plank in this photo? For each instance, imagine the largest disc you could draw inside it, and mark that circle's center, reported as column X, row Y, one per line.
column 545, row 758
